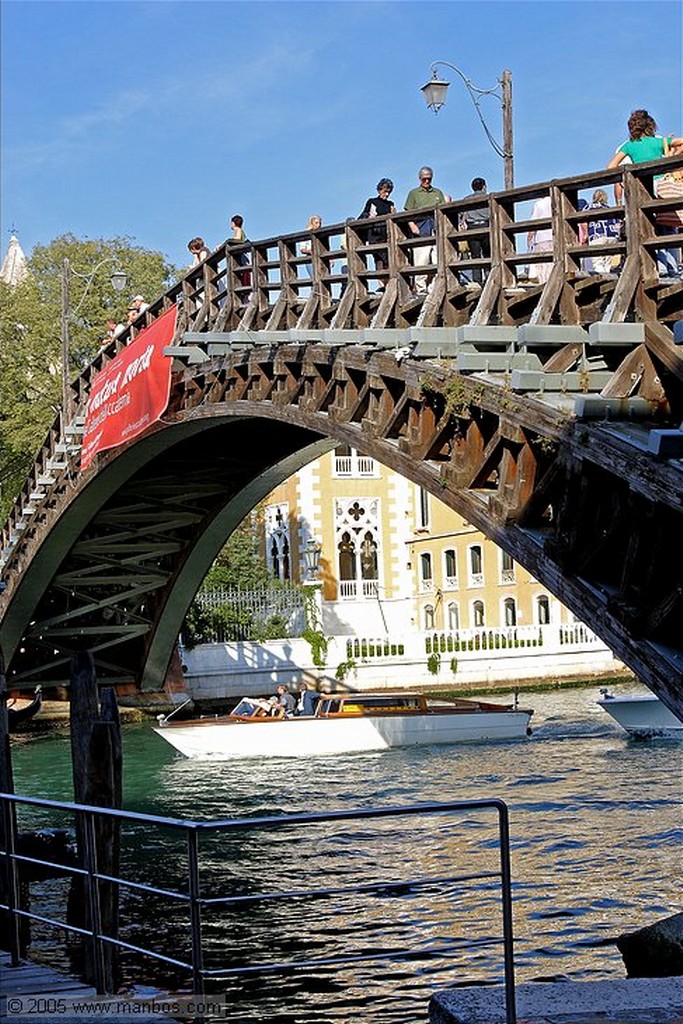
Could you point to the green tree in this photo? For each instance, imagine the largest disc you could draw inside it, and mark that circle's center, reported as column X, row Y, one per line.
column 240, row 563
column 30, row 335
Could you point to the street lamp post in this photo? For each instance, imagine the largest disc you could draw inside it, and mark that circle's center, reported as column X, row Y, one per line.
column 435, row 91
column 118, row 282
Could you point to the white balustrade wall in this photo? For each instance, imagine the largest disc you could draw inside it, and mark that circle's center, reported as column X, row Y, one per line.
column 464, row 657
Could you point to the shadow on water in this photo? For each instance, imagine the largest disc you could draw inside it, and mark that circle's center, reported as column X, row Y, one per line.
column 595, row 828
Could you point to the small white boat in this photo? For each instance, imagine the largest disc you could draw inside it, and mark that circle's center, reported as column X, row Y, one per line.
column 642, row 716
column 342, row 724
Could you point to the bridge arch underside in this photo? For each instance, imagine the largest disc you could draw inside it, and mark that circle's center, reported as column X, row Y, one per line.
column 122, row 556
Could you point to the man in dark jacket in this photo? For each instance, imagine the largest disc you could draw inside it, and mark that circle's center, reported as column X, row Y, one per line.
column 475, row 218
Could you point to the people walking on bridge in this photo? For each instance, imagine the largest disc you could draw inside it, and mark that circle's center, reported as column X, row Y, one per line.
column 423, row 198
column 379, row 206
column 475, row 218
column 601, row 232
column 238, row 237
column 541, row 240
column 315, row 222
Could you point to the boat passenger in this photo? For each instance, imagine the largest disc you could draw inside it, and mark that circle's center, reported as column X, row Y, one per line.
column 308, row 698
column 286, row 700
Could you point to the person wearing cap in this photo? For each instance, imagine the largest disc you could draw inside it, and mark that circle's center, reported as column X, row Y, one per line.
column 379, row 206
column 424, row 197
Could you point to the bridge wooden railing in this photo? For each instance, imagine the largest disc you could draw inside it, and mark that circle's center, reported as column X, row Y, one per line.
column 327, row 279
column 334, row 284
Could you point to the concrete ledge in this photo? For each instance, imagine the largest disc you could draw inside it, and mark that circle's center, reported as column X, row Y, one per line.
column 486, row 334
column 603, row 333
column 668, row 444
column 385, row 337
column 550, row 334
column 578, row 1002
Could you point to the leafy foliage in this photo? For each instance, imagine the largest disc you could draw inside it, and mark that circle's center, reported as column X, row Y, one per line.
column 30, row 335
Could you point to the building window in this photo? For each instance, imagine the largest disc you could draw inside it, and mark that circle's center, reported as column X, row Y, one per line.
column 450, row 566
column 358, row 547
column 542, row 610
column 423, row 510
column 507, row 568
column 348, row 462
column 426, row 577
column 453, row 616
column 278, row 553
column 478, row 614
column 476, row 566
column 429, row 617
column 368, row 557
column 510, row 611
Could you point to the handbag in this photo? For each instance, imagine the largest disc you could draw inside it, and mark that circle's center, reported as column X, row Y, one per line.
column 670, row 186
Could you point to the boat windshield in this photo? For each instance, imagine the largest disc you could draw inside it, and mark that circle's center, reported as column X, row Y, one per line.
column 246, row 708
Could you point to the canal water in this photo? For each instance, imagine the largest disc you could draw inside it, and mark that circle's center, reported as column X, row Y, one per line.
column 596, row 829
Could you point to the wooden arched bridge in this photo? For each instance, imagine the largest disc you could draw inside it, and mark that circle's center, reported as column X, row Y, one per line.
column 548, row 415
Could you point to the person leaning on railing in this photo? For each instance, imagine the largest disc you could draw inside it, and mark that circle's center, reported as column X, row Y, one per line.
column 424, row 197
column 644, row 144
column 379, row 206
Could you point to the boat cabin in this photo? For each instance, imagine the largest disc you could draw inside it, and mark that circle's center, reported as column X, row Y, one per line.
column 337, row 705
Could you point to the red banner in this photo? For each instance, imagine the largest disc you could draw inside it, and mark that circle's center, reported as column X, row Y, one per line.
column 132, row 391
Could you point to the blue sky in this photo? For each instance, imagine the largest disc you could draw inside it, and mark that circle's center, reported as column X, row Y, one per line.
column 160, row 120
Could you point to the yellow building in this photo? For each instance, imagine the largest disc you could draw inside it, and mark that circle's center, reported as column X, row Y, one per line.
column 409, row 595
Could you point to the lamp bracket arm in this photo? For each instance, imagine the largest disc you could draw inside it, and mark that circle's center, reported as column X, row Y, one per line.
column 89, row 278
column 475, row 93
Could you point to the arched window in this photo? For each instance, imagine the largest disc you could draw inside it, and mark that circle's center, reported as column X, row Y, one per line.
column 510, row 611
column 542, row 610
column 478, row 613
column 507, row 568
column 476, row 566
column 368, row 557
column 426, row 579
column 347, row 557
column 429, row 617
column 450, row 565
column 453, row 616
column 277, row 541
column 423, row 511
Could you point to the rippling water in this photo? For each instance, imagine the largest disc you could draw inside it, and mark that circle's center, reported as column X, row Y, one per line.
column 596, row 828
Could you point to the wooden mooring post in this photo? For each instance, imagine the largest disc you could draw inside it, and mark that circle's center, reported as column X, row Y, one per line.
column 9, row 933
column 97, row 780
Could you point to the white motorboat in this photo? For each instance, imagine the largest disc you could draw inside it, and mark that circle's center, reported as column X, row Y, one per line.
column 642, row 715
column 343, row 723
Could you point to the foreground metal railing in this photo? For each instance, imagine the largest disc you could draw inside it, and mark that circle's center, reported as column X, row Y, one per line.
column 198, row 903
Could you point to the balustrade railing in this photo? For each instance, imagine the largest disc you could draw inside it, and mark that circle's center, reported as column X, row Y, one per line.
column 335, row 282
column 204, row 907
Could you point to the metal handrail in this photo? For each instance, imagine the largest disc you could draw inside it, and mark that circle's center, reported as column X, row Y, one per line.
column 11, row 858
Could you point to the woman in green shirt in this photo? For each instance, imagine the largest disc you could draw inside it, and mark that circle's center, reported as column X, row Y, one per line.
column 643, row 144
